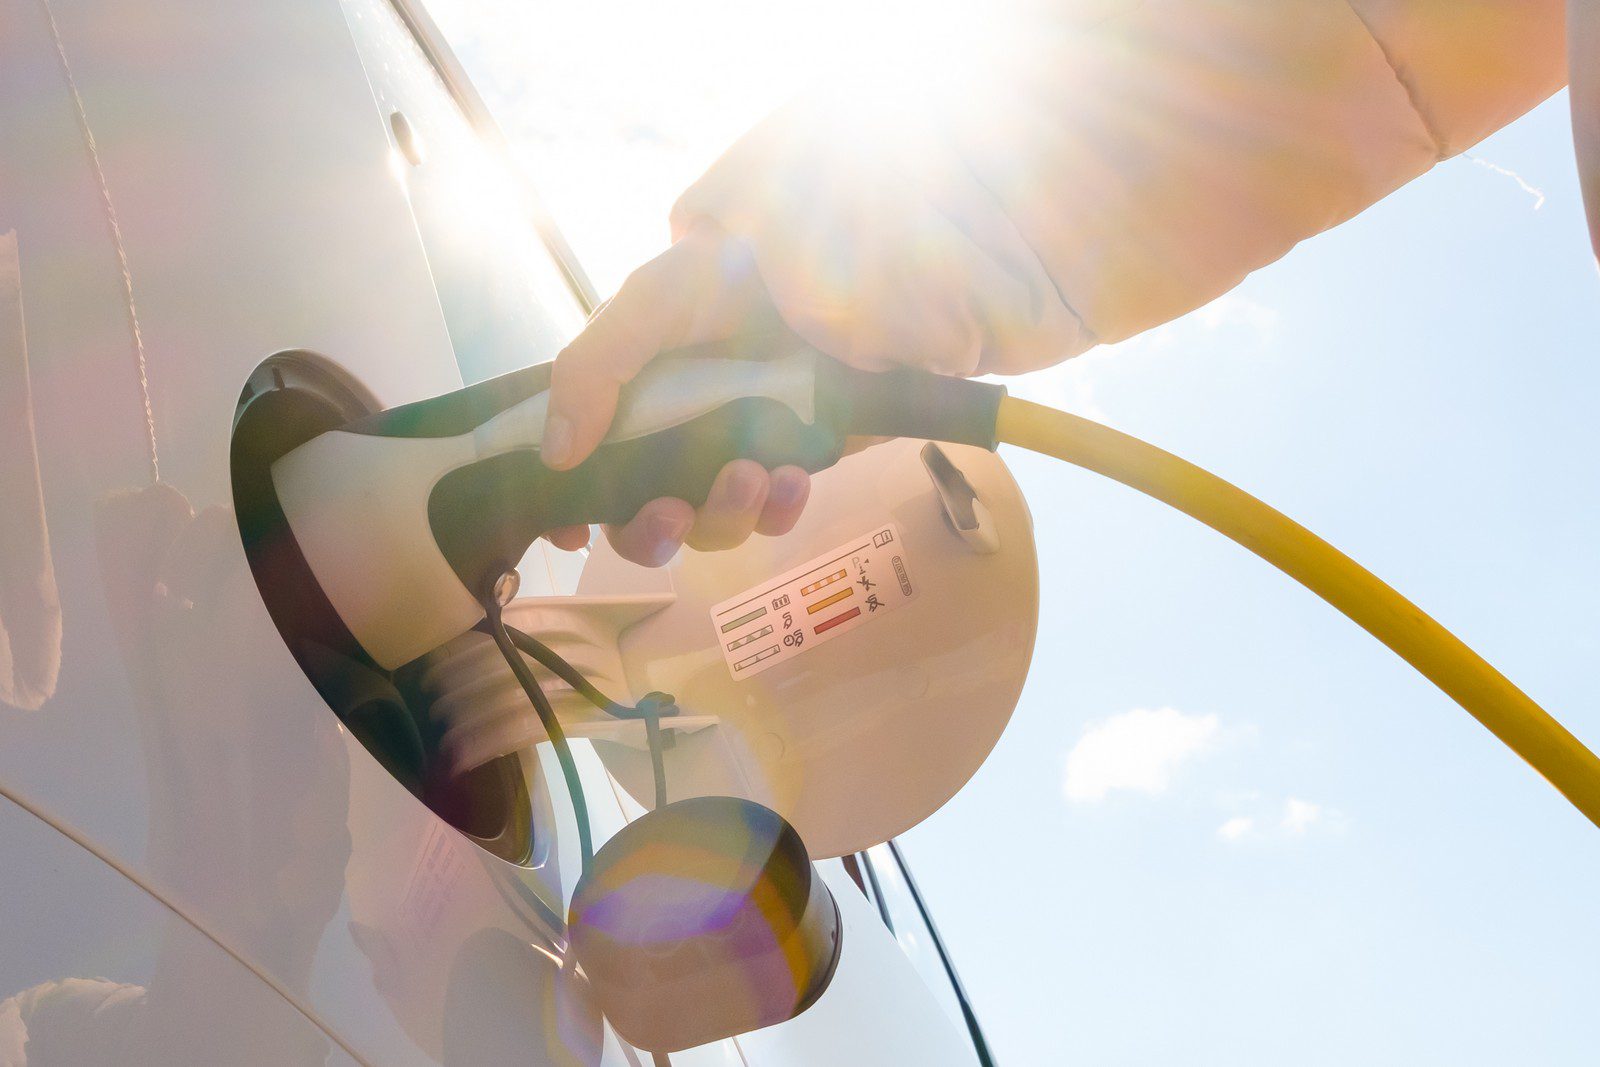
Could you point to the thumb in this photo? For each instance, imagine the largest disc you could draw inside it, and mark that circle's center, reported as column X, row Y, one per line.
column 651, row 311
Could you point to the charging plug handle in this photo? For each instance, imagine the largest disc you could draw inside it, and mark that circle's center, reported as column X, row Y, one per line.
column 696, row 415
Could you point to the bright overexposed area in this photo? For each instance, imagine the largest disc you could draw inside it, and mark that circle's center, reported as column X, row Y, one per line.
column 1225, row 826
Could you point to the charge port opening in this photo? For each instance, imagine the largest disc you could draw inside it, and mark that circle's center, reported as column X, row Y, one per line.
column 288, row 399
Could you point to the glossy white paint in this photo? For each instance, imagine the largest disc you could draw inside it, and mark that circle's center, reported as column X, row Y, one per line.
column 919, row 1033
column 97, row 972
column 30, row 640
column 273, row 876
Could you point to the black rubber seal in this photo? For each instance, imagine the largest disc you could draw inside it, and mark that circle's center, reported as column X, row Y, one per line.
column 908, row 403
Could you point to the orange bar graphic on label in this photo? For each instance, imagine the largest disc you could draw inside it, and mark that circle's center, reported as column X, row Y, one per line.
column 812, row 609
column 820, row 582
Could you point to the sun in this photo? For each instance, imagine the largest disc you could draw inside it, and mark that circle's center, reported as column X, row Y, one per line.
column 616, row 106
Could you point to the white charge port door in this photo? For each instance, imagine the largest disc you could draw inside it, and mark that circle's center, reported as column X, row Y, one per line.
column 877, row 1010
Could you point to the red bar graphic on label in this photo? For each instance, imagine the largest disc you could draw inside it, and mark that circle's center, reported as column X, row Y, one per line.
column 826, row 598
column 836, row 620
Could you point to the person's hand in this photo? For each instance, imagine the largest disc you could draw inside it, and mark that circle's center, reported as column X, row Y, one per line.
column 704, row 288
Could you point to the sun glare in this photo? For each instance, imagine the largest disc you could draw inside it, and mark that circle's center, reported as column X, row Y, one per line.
column 616, row 106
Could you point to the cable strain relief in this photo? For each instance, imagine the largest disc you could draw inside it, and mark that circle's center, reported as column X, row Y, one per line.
column 908, row 403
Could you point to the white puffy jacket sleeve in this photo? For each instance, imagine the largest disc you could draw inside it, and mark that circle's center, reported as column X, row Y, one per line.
column 1117, row 164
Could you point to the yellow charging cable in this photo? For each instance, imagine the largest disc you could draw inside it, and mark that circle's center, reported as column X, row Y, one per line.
column 1529, row 730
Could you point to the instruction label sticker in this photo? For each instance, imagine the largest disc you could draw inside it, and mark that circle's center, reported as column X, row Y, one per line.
column 817, row 601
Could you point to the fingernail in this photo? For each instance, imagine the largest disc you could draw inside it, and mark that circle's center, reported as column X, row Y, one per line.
column 744, row 487
column 556, row 448
column 666, row 533
column 786, row 490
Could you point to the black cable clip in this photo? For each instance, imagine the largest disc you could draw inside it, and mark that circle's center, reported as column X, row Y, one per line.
column 652, row 708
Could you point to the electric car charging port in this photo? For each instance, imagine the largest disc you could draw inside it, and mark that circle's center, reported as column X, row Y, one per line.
column 290, row 398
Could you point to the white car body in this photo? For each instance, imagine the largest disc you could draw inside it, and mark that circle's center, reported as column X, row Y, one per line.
column 198, row 862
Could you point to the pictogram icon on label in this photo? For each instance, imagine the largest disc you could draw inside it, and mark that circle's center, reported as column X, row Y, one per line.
column 818, row 601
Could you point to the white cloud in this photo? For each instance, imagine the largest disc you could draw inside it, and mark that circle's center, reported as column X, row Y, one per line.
column 1234, row 311
column 1138, row 750
column 1065, row 386
column 1295, row 818
column 1244, row 324
column 1299, row 815
column 1236, row 828
column 1532, row 190
column 1248, row 323
column 1069, row 385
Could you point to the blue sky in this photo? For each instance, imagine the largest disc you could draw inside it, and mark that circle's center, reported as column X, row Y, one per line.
column 1418, row 387
column 1225, row 826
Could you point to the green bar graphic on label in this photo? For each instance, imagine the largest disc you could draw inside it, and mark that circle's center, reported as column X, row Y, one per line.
column 741, row 620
